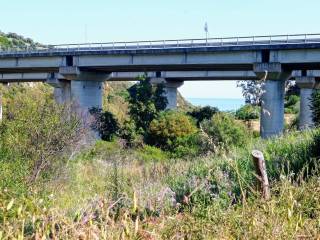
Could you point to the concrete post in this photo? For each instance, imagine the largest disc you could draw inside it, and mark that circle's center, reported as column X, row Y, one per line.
column 171, row 90
column 307, row 86
column 272, row 100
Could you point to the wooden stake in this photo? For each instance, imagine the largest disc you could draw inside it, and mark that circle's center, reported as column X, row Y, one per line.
column 261, row 173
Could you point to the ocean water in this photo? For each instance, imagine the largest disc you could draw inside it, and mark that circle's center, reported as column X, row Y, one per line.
column 224, row 104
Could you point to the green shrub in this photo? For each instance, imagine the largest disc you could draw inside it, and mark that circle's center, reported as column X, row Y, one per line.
column 203, row 113
column 292, row 104
column 292, row 153
column 146, row 102
column 225, row 131
column 315, row 107
column 168, row 128
column 130, row 134
column 151, row 154
column 105, row 123
column 38, row 132
column 191, row 146
column 248, row 112
column 291, row 100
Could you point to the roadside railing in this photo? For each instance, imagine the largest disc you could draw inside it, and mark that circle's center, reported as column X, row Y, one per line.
column 168, row 44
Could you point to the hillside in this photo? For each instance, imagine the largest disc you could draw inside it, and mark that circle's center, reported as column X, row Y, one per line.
column 13, row 40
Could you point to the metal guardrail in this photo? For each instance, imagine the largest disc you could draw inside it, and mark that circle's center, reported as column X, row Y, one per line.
column 169, row 44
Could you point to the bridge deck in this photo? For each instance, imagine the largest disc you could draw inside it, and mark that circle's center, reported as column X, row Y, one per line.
column 298, row 41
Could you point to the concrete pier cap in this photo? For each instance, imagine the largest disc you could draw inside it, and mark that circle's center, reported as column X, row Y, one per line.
column 272, row 99
column 307, row 85
column 171, row 89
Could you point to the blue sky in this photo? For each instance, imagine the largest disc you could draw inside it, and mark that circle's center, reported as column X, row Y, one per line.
column 70, row 21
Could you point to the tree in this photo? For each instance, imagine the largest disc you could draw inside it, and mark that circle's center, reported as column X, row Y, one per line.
column 248, row 112
column 203, row 113
column 105, row 123
column 251, row 91
column 146, row 102
column 39, row 132
column 169, row 127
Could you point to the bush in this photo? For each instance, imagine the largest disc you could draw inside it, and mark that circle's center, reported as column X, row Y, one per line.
column 130, row 134
column 292, row 104
column 203, row 113
column 151, row 154
column 248, row 112
column 105, row 123
column 315, row 107
column 145, row 102
column 37, row 133
column 170, row 126
column 225, row 131
column 292, row 153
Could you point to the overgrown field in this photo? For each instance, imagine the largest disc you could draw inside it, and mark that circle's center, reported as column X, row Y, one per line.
column 55, row 184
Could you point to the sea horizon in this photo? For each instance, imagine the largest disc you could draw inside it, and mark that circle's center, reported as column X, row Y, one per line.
column 223, row 104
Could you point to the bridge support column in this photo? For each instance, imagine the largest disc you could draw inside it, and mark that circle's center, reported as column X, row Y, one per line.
column 1, row 102
column 307, row 86
column 171, row 90
column 62, row 88
column 86, row 87
column 272, row 101
column 87, row 94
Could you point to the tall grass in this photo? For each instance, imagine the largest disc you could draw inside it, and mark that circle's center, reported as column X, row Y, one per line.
column 114, row 193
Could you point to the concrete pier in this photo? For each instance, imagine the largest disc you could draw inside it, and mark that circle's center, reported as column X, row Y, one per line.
column 305, row 117
column 62, row 88
column 86, row 87
column 87, row 94
column 272, row 109
column 63, row 94
column 272, row 100
column 307, row 86
column 171, row 90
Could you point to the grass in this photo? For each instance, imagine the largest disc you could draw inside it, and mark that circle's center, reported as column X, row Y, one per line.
column 107, row 192
column 112, row 193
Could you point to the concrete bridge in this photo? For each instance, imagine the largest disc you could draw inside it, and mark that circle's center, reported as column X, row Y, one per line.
column 77, row 71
